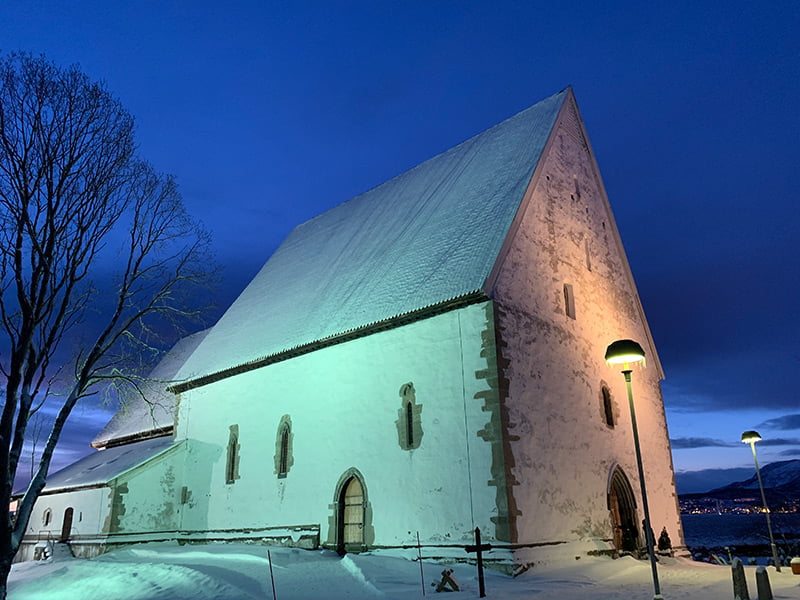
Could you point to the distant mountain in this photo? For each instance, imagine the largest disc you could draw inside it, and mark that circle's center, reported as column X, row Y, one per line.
column 693, row 482
column 781, row 476
column 781, row 487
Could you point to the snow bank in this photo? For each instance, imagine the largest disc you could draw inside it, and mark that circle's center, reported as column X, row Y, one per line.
column 241, row 572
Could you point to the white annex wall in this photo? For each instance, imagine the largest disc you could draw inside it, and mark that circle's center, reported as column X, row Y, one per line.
column 90, row 509
column 563, row 451
column 344, row 404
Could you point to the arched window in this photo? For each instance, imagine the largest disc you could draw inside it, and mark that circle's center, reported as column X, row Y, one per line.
column 283, row 466
column 409, row 419
column 232, row 458
column 47, row 517
column 608, row 406
column 283, row 447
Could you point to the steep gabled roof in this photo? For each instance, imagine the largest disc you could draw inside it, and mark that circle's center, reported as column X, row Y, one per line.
column 151, row 412
column 429, row 235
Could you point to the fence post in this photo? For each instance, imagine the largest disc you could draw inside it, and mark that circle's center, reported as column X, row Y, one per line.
column 762, row 584
column 739, row 582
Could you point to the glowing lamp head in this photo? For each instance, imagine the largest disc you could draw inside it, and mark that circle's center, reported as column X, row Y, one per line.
column 750, row 437
column 623, row 352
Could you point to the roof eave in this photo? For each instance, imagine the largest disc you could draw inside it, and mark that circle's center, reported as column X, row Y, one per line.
column 457, row 302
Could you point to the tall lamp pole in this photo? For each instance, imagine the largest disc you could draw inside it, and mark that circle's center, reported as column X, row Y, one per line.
column 751, row 437
column 625, row 352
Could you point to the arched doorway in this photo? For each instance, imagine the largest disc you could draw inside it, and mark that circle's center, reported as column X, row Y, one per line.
column 350, row 520
column 351, row 515
column 66, row 527
column 622, row 504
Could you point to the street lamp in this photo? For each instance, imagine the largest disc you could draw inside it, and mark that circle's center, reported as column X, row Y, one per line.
column 751, row 437
column 625, row 352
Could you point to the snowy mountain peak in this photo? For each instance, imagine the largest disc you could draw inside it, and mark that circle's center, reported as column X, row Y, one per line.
column 783, row 474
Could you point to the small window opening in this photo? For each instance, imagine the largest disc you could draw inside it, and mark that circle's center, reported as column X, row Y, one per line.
column 410, row 423
column 283, row 467
column 232, row 459
column 608, row 408
column 569, row 301
column 283, row 447
column 47, row 517
column 409, row 419
column 588, row 254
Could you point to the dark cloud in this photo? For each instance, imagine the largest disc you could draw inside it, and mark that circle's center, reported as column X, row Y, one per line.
column 722, row 382
column 698, row 442
column 791, row 452
column 779, row 442
column 785, row 422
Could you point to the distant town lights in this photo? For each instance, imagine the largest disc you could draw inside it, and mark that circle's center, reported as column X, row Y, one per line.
column 623, row 352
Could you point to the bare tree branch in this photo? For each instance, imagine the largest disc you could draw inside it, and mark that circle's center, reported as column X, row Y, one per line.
column 96, row 251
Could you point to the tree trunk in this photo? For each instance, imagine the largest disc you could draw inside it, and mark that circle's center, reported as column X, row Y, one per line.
column 5, row 569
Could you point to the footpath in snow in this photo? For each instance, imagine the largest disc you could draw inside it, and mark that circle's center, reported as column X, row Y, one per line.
column 241, row 572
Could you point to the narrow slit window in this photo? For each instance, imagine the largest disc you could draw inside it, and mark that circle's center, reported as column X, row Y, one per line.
column 232, row 459
column 569, row 300
column 283, row 467
column 409, row 419
column 283, row 447
column 608, row 408
column 410, row 424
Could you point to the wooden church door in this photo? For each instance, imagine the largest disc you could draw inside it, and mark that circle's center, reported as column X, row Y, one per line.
column 623, row 512
column 352, row 514
column 66, row 527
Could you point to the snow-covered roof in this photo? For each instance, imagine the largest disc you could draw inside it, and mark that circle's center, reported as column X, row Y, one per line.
column 154, row 407
column 430, row 234
column 104, row 465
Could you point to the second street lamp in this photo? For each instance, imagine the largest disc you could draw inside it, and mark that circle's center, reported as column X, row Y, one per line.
column 625, row 352
column 751, row 437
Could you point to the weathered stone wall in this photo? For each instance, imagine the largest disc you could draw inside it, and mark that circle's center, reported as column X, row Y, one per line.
column 148, row 498
column 562, row 450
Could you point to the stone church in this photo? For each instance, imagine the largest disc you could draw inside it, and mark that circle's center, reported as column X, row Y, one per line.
column 425, row 358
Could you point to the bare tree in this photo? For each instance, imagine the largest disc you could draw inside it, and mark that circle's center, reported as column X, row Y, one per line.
column 97, row 257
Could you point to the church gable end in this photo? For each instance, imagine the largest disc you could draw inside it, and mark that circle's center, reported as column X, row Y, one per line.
column 554, row 335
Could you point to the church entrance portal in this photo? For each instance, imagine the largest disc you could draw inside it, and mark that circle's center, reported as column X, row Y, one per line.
column 351, row 515
column 350, row 521
column 66, row 526
column 622, row 504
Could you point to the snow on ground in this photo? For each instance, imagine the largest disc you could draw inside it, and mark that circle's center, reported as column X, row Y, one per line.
column 168, row 571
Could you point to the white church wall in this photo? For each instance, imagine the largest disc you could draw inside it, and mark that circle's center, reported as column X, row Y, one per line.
column 562, row 449
column 344, row 403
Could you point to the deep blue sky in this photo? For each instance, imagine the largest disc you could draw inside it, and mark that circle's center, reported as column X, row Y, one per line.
column 271, row 112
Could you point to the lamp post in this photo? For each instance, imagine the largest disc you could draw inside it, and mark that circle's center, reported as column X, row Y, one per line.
column 625, row 352
column 751, row 437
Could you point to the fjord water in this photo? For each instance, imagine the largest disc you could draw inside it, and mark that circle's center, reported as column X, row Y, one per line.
column 715, row 530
